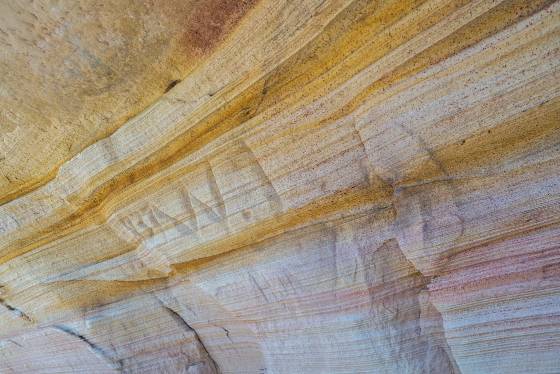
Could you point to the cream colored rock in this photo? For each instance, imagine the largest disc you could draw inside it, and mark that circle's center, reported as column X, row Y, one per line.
column 268, row 186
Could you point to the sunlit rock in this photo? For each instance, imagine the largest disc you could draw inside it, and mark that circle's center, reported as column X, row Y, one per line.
column 276, row 186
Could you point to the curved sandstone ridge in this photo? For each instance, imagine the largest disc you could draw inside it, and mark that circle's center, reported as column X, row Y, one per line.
column 273, row 186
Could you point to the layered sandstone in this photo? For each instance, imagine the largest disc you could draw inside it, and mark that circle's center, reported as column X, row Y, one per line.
column 222, row 186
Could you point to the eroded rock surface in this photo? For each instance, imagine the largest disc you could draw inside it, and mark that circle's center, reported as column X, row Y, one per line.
column 216, row 186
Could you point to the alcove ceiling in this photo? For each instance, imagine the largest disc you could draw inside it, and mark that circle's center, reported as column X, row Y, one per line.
column 273, row 186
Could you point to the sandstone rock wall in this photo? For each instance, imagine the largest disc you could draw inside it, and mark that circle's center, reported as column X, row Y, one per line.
column 272, row 186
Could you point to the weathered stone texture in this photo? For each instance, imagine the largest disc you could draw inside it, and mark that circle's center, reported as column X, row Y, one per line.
column 273, row 186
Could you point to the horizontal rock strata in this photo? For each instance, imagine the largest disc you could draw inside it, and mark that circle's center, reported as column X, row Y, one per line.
column 341, row 186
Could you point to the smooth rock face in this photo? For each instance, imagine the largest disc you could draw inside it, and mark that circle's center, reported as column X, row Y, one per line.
column 273, row 186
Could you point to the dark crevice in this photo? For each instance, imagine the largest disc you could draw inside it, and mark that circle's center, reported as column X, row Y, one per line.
column 117, row 364
column 171, row 84
column 177, row 317
column 16, row 311
column 16, row 343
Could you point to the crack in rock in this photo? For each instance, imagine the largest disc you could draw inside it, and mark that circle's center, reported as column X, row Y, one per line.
column 116, row 364
column 177, row 317
column 19, row 313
